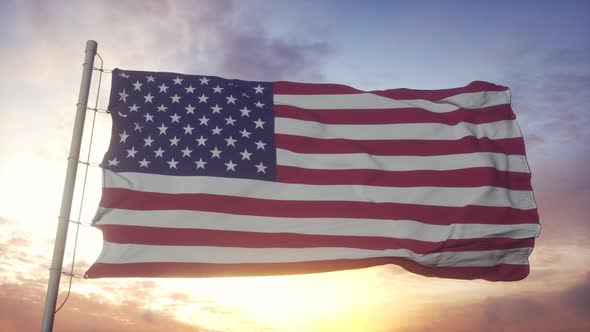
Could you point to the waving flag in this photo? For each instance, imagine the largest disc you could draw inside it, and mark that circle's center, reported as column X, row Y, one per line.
column 208, row 176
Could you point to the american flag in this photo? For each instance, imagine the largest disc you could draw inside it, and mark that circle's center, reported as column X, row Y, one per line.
column 207, row 176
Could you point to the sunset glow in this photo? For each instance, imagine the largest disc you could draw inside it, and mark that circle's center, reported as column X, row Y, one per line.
column 538, row 49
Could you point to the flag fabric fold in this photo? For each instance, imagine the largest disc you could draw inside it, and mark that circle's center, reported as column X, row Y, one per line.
column 206, row 177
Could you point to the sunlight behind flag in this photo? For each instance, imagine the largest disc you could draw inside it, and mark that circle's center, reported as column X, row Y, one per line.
column 209, row 177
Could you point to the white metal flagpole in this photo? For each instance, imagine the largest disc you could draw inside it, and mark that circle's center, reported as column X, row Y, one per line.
column 68, row 193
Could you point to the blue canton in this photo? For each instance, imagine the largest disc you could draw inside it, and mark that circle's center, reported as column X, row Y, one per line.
column 174, row 124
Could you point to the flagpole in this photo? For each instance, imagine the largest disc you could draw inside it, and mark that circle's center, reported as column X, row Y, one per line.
column 68, row 192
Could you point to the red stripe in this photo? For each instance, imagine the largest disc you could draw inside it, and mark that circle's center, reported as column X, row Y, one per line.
column 502, row 272
column 395, row 116
column 436, row 215
column 466, row 177
column 469, row 144
column 294, row 88
column 160, row 236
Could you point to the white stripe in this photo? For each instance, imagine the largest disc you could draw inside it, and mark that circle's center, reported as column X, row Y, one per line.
column 439, row 196
column 471, row 100
column 134, row 253
column 399, row 229
column 422, row 131
column 502, row 162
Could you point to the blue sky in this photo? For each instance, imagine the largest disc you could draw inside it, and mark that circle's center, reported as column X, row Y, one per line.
column 540, row 49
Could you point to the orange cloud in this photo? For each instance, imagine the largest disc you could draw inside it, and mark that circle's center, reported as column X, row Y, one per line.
column 566, row 310
column 21, row 308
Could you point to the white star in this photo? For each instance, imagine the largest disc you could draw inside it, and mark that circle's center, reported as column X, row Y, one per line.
column 231, row 141
column 231, row 166
column 131, row 152
column 204, row 80
column 186, row 152
column 159, row 153
column 124, row 75
column 217, row 89
column 204, row 121
column 148, row 141
column 178, row 80
column 245, row 154
column 258, row 89
column 138, row 127
column 190, row 89
column 163, row 88
column 123, row 136
column 216, row 131
column 201, row 141
column 216, row 153
column 148, row 98
column 229, row 121
column 148, row 117
column 162, row 129
column 175, row 98
column 137, row 86
column 114, row 162
column 162, row 108
column 172, row 163
column 216, row 109
column 144, row 163
column 123, row 96
column 175, row 118
column 259, row 123
column 203, row 98
column 133, row 108
column 261, row 168
column 245, row 95
column 259, row 104
column 190, row 109
column 174, row 141
column 260, row 145
column 150, row 79
column 245, row 133
column 200, row 163
column 245, row 112
column 188, row 129
column 231, row 100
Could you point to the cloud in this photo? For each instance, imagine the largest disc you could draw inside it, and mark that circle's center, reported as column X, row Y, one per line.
column 4, row 220
column 550, row 101
column 19, row 241
column 548, row 81
column 45, row 42
column 562, row 193
column 21, row 309
column 273, row 59
column 549, row 95
column 214, row 38
column 16, row 256
column 566, row 310
column 43, row 49
column 579, row 297
column 41, row 57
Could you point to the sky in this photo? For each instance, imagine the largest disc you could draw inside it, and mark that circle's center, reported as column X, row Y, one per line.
column 540, row 49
